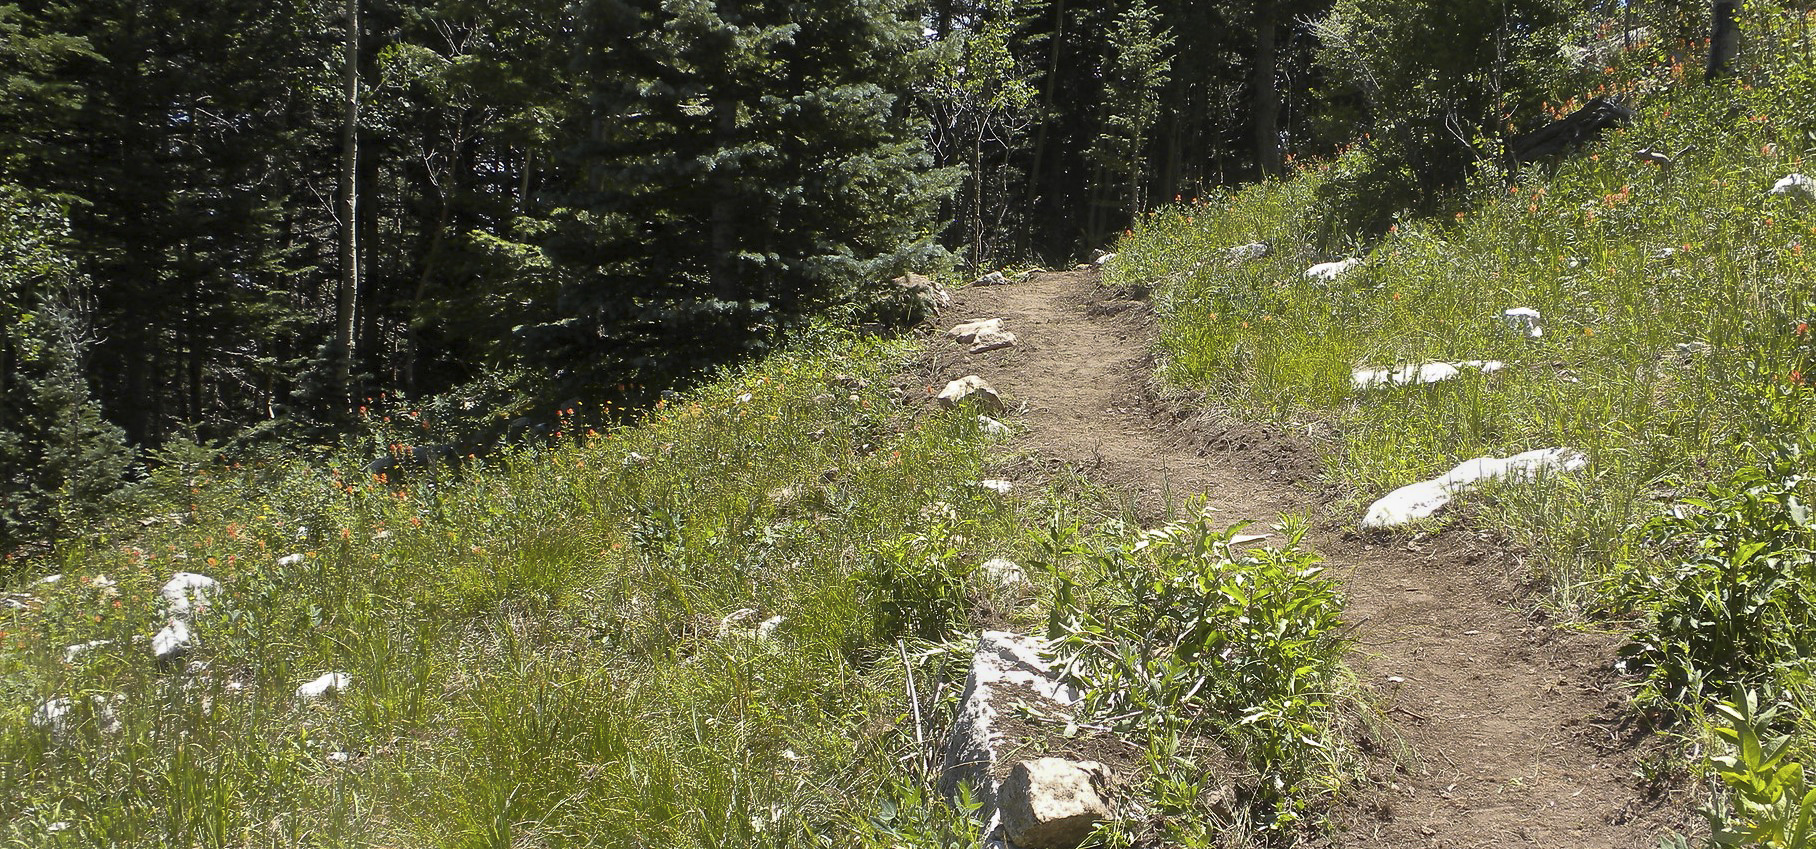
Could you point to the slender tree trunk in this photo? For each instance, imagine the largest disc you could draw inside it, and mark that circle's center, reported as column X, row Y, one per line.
column 977, row 197
column 1036, row 188
column 1268, row 157
column 347, row 296
column 1724, row 38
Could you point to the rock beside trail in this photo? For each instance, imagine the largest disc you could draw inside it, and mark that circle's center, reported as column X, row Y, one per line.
column 1419, row 375
column 1003, row 573
column 991, row 341
column 994, row 278
column 971, row 389
column 1425, row 498
column 1053, row 803
column 1796, row 187
column 967, row 332
column 1005, row 669
column 992, row 427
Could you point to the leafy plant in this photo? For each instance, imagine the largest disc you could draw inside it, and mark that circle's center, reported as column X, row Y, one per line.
column 1772, row 803
column 1199, row 638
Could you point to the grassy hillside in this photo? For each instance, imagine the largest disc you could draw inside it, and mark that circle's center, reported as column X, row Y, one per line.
column 693, row 631
column 1676, row 352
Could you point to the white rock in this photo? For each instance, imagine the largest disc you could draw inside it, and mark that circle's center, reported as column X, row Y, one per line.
column 992, row 340
column 1664, row 253
column 339, row 757
column 992, row 427
column 967, row 332
column 47, row 580
column 1326, row 272
column 71, row 652
column 1002, row 659
column 173, row 642
column 740, row 619
column 742, row 399
column 974, row 389
column 18, row 601
column 102, row 582
column 186, row 593
column 994, row 278
column 58, row 826
column 1106, row 259
column 1004, row 573
column 1795, row 186
column 1410, row 375
column 290, row 559
column 1000, row 487
column 1524, row 321
column 51, row 715
column 332, row 682
column 767, row 628
column 1053, row 803
column 1425, row 498
column 635, row 459
column 1249, row 252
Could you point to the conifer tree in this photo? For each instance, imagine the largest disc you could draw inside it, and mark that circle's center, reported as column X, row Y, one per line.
column 1135, row 72
column 59, row 459
column 745, row 162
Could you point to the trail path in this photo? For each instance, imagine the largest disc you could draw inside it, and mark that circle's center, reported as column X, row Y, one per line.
column 1500, row 729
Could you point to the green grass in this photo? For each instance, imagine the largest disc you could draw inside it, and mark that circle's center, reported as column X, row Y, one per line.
column 1584, row 246
column 534, row 641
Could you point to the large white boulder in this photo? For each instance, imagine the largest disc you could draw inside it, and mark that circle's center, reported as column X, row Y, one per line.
column 1423, row 499
column 967, row 332
column 1005, row 668
column 1054, row 803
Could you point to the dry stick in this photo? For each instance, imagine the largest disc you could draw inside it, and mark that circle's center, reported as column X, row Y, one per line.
column 914, row 699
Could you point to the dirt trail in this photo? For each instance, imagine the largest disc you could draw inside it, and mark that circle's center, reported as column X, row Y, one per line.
column 1500, row 730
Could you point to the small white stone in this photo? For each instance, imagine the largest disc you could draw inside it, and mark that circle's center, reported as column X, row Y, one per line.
column 71, row 652
column 332, row 682
column 339, row 757
column 58, row 826
column 47, row 580
column 290, row 559
column 186, row 593
column 1106, row 259
column 737, row 620
column 635, row 459
column 767, row 628
column 1004, row 573
column 1248, row 252
column 1000, row 487
column 742, row 399
column 50, row 715
column 994, row 278
column 1524, row 321
column 1326, row 272
column 1796, row 186
column 991, row 427
column 172, row 642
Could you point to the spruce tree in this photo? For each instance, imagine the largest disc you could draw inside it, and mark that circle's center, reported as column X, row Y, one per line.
column 59, row 459
column 745, row 162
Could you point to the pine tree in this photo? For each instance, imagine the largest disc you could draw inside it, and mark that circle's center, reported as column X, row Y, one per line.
column 1135, row 72
column 59, row 459
column 746, row 162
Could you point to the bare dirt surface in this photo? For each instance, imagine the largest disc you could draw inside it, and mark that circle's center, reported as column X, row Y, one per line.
column 1490, row 727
